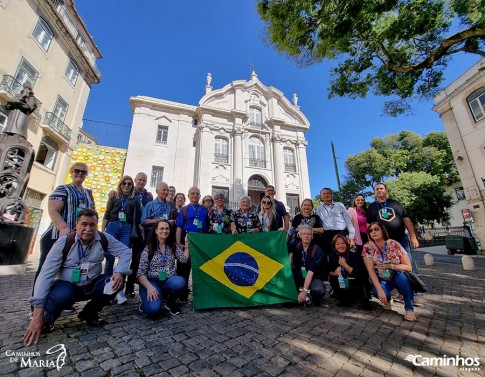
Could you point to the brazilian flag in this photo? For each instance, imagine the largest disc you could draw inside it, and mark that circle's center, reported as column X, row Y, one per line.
column 240, row 270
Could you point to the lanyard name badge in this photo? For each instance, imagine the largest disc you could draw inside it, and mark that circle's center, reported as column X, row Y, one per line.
column 163, row 214
column 304, row 271
column 122, row 213
column 197, row 222
column 80, row 199
column 343, row 281
column 81, row 274
column 383, row 273
column 163, row 271
column 219, row 223
column 383, row 210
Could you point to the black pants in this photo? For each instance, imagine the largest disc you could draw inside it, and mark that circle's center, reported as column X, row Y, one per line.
column 183, row 269
column 46, row 242
column 354, row 293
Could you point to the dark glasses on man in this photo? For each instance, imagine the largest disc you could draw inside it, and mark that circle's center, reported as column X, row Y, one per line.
column 127, row 183
column 80, row 171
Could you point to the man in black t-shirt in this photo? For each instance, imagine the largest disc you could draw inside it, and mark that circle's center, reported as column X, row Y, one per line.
column 393, row 216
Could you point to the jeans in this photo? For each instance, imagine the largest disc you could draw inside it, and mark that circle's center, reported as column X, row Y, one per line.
column 404, row 241
column 64, row 294
column 168, row 290
column 401, row 283
column 120, row 230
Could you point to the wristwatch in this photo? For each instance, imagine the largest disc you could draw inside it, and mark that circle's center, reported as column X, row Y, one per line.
column 306, row 290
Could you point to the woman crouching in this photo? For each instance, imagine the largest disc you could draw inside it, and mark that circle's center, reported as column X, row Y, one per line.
column 386, row 261
column 156, row 272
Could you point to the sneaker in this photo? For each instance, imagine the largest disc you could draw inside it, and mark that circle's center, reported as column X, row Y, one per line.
column 183, row 300
column 130, row 294
column 70, row 310
column 121, row 298
column 172, row 308
column 47, row 328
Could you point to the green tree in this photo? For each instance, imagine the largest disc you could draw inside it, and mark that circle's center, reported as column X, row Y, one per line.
column 389, row 47
column 406, row 151
column 423, row 196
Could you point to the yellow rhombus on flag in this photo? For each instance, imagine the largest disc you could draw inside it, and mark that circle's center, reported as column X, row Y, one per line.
column 267, row 268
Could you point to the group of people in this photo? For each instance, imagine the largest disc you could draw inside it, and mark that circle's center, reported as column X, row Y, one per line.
column 149, row 237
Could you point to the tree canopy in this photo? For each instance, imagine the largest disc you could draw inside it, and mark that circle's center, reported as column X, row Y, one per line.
column 395, row 48
column 423, row 196
column 416, row 170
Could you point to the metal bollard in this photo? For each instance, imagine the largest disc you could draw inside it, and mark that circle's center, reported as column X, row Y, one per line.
column 468, row 263
column 428, row 260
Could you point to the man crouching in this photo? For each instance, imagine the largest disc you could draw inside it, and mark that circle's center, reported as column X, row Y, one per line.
column 79, row 278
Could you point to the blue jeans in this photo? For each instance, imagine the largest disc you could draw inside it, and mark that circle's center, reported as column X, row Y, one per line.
column 64, row 294
column 404, row 241
column 120, row 230
column 168, row 290
column 401, row 283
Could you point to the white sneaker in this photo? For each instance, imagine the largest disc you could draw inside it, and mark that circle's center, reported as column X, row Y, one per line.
column 121, row 298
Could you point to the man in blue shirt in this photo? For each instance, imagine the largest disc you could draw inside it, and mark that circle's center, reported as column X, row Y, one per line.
column 191, row 218
column 159, row 208
column 77, row 276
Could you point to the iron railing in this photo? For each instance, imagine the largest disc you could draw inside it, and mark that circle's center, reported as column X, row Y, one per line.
column 223, row 158
column 57, row 125
column 14, row 87
column 257, row 163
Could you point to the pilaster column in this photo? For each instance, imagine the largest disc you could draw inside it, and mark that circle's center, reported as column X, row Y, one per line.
column 302, row 168
column 237, row 166
column 279, row 169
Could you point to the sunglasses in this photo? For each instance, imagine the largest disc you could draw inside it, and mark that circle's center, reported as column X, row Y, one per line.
column 266, row 202
column 80, row 171
column 374, row 229
column 127, row 183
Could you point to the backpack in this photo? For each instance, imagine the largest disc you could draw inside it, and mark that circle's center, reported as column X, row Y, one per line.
column 70, row 239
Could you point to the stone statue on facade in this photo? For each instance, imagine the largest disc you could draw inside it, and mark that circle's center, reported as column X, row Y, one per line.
column 23, row 105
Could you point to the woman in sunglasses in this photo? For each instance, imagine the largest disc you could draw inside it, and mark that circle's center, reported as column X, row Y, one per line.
column 307, row 216
column 386, row 261
column 63, row 206
column 267, row 215
column 122, row 211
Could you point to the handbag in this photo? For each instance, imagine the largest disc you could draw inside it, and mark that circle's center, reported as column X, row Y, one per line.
column 134, row 235
column 417, row 284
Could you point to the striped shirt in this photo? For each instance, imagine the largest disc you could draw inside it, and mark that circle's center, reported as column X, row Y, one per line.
column 72, row 198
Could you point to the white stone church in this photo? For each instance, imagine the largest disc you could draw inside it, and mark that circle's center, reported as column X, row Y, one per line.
column 237, row 139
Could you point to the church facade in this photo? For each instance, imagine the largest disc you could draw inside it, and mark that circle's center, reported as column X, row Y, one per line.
column 238, row 139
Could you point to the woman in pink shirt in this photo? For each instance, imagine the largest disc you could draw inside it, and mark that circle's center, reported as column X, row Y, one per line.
column 359, row 221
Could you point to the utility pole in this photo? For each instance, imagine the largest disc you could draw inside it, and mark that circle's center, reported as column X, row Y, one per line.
column 336, row 172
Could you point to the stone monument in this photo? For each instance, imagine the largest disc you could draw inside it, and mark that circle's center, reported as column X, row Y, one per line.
column 16, row 159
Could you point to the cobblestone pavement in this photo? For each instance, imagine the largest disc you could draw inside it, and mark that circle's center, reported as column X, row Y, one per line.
column 267, row 341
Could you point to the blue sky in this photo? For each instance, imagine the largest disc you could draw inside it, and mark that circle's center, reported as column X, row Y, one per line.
column 165, row 50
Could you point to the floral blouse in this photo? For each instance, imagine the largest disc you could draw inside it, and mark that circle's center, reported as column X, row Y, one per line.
column 394, row 252
column 246, row 221
column 152, row 269
column 220, row 222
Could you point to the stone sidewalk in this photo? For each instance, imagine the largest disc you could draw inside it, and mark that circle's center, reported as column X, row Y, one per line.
column 269, row 341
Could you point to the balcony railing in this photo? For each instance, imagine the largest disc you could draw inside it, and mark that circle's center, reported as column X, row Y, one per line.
column 290, row 167
column 57, row 125
column 71, row 26
column 13, row 87
column 223, row 158
column 256, row 125
column 257, row 163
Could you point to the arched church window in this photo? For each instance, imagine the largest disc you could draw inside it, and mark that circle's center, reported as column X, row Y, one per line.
column 289, row 158
column 257, row 155
column 221, row 150
column 255, row 118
